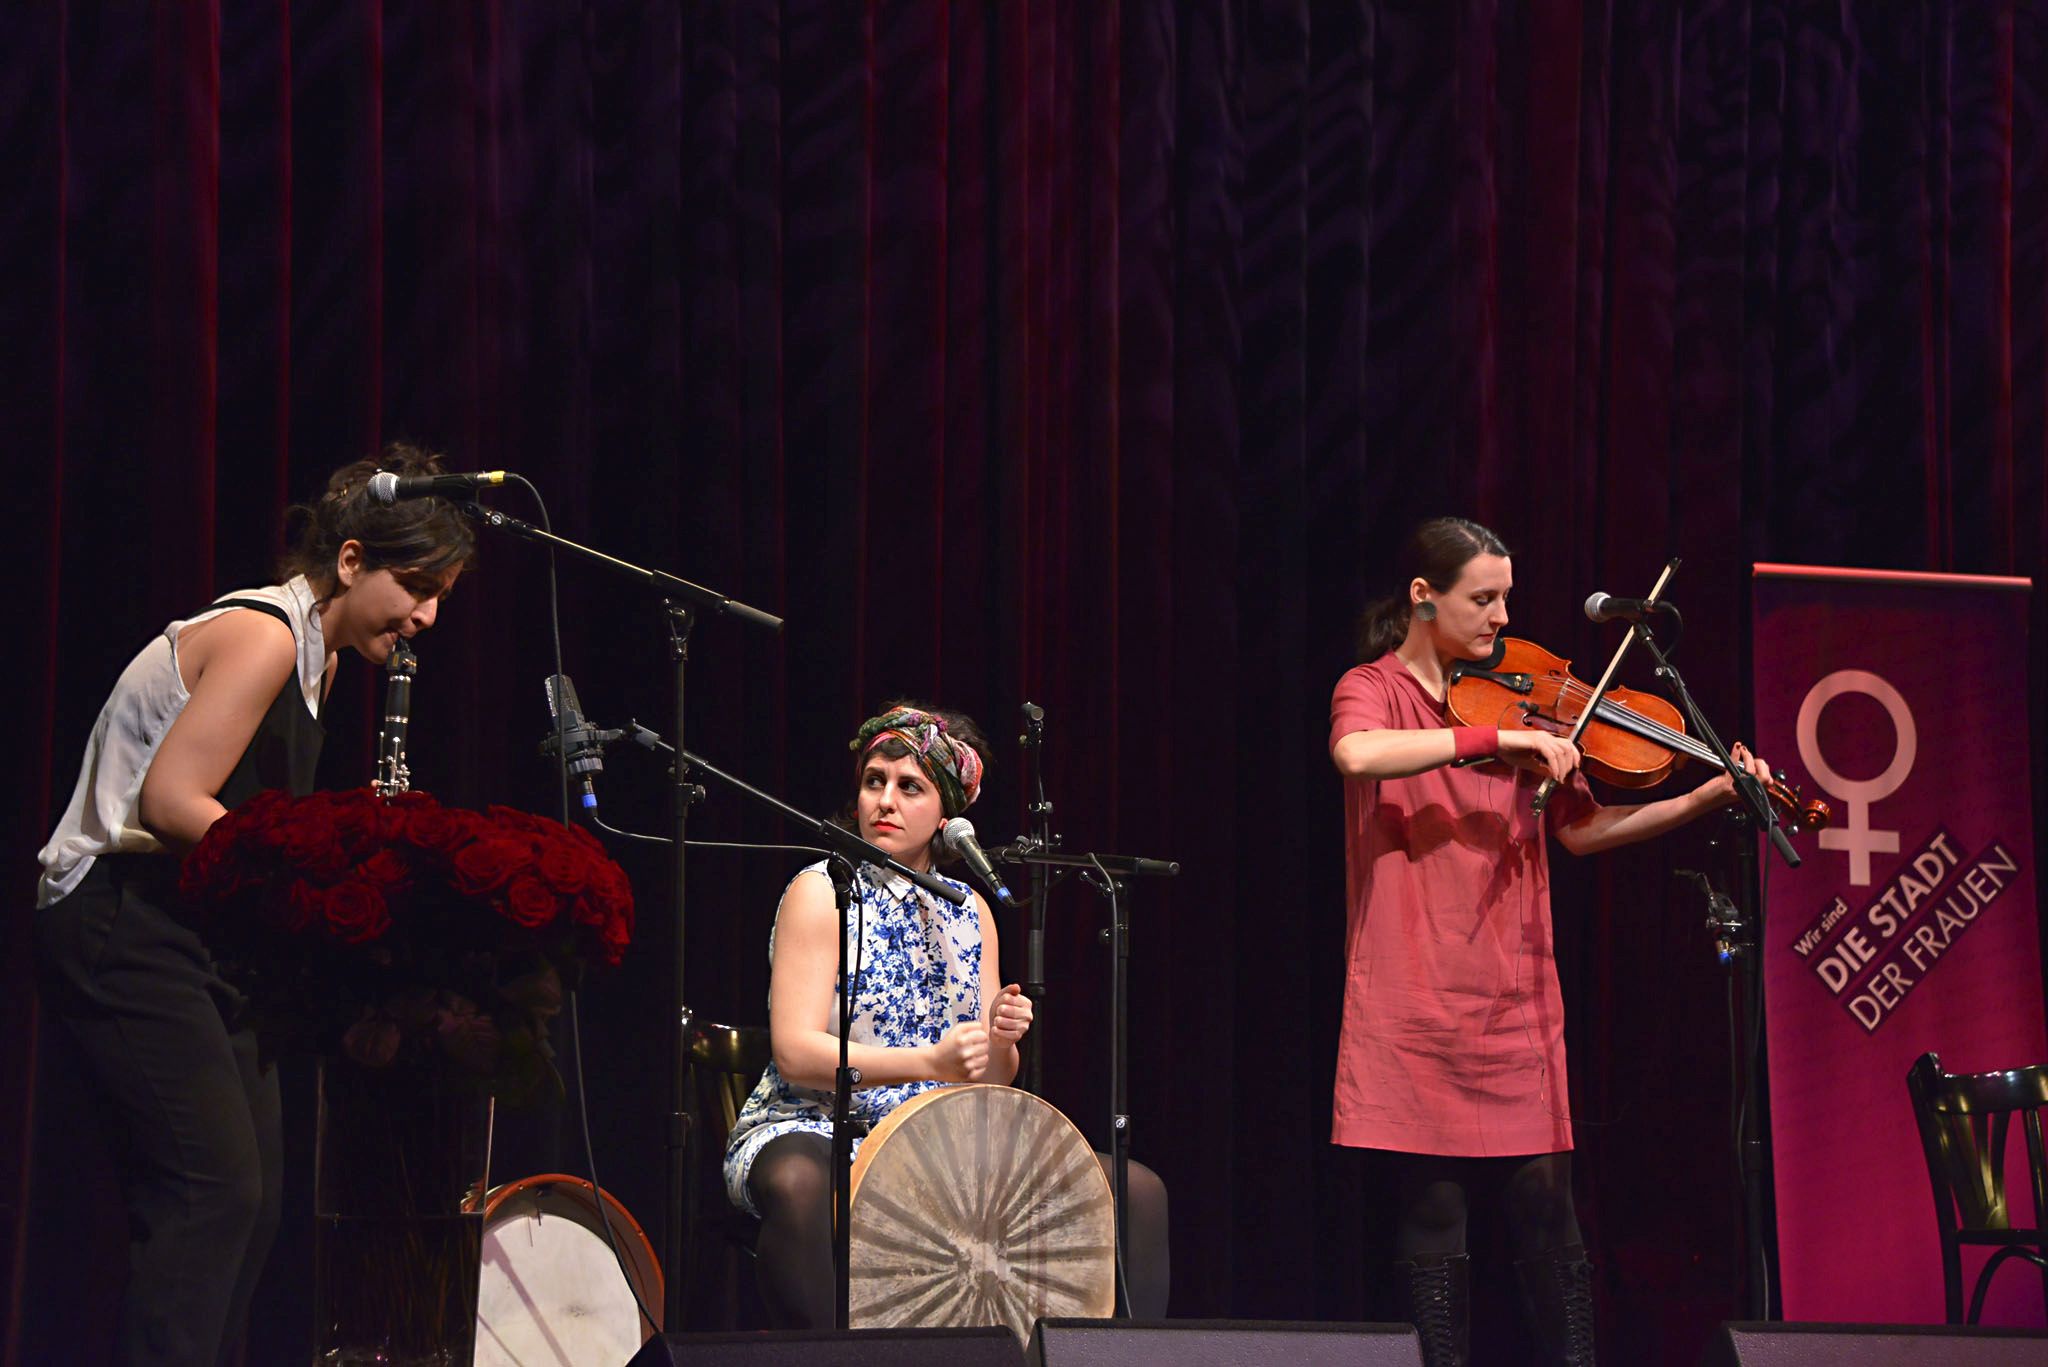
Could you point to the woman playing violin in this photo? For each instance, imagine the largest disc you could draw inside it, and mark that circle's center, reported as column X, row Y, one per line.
column 1451, row 1058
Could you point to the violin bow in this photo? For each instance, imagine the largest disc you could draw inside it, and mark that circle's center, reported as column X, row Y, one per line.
column 1549, row 785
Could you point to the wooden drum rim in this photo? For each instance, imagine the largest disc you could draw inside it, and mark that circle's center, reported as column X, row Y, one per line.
column 635, row 1247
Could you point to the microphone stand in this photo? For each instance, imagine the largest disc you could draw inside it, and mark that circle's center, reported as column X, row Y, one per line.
column 1040, row 812
column 1106, row 874
column 681, row 601
column 846, row 849
column 1740, row 928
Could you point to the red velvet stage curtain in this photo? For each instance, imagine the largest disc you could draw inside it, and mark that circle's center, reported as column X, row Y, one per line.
column 1082, row 353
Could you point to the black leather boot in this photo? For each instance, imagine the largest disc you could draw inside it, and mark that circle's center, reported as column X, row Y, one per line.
column 1440, row 1303
column 1557, row 1288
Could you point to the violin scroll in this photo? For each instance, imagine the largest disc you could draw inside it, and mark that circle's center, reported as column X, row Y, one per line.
column 1810, row 815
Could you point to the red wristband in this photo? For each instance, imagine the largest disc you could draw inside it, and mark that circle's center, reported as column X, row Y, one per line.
column 1476, row 742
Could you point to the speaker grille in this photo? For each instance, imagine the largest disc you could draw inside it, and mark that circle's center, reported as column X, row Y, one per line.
column 1221, row 1343
column 1873, row 1345
column 990, row 1347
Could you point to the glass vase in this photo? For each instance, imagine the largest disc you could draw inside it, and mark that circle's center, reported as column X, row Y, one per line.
column 396, row 1255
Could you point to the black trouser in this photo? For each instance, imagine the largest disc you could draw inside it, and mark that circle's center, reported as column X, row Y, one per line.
column 202, row 1145
column 791, row 1184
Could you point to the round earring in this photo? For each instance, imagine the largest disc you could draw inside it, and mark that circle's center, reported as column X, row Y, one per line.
column 1425, row 612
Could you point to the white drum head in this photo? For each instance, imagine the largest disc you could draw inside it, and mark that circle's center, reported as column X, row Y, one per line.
column 551, row 1293
column 979, row 1205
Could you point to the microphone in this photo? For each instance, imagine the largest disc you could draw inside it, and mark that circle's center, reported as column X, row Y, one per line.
column 1605, row 607
column 582, row 743
column 386, row 487
column 957, row 838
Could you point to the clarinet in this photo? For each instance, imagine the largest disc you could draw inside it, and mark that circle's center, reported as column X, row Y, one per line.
column 392, row 774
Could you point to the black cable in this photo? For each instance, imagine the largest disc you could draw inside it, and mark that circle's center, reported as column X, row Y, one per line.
column 1116, row 1136
column 555, row 639
column 1755, row 1053
column 590, row 1159
column 575, row 1025
column 1745, row 1043
column 600, row 823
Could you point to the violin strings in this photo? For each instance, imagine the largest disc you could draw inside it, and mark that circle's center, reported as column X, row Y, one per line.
column 1573, row 690
column 1578, row 692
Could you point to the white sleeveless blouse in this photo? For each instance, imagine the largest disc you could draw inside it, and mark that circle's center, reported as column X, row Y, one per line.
column 103, row 815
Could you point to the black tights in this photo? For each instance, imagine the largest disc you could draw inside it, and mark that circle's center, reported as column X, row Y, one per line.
column 1432, row 1195
column 791, row 1184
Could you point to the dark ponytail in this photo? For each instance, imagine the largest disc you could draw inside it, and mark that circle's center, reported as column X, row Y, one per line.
column 1435, row 552
column 427, row 536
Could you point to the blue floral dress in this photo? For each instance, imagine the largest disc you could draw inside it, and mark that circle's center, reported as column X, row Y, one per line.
column 917, row 974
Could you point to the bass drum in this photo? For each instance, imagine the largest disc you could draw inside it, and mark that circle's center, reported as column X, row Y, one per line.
column 551, row 1293
column 976, row 1205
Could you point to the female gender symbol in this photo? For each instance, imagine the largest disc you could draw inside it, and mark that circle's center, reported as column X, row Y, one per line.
column 1858, row 838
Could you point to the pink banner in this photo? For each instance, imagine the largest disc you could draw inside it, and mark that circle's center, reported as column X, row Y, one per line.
column 1911, row 925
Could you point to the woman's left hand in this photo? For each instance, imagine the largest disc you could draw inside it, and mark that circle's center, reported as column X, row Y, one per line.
column 1720, row 789
column 1011, row 1017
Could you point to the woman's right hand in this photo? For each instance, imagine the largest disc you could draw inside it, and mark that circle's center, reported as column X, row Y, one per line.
column 1539, row 752
column 961, row 1055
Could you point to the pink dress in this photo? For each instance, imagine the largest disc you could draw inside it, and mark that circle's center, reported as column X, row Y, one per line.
column 1453, row 1034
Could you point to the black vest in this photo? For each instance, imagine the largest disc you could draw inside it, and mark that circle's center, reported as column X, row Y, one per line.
column 285, row 750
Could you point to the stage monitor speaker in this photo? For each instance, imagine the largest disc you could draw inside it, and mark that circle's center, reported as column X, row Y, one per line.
column 1873, row 1345
column 990, row 1347
column 1221, row 1343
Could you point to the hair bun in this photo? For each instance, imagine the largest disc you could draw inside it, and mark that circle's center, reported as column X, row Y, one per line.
column 403, row 458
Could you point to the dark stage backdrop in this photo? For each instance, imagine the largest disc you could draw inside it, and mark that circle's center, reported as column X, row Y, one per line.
column 1090, row 354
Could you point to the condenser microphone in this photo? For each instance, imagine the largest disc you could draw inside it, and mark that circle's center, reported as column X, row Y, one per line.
column 386, row 487
column 957, row 838
column 582, row 743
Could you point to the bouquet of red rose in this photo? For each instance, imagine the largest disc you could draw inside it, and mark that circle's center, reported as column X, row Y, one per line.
column 398, row 930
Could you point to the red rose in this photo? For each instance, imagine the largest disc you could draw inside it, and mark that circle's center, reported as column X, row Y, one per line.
column 530, row 903
column 312, row 847
column 614, row 893
column 355, row 823
column 525, row 823
column 566, row 868
column 395, row 813
column 588, row 841
column 386, row 870
column 438, row 828
column 614, row 936
column 487, row 864
column 302, row 906
column 264, row 818
column 356, row 912
column 211, row 872
column 606, row 906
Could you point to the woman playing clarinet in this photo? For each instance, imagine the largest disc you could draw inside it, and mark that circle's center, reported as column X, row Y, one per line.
column 217, row 707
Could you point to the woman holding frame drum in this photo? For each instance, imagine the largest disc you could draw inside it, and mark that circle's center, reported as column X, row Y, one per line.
column 922, row 1016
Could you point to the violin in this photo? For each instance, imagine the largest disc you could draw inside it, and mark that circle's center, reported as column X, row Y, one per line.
column 1633, row 740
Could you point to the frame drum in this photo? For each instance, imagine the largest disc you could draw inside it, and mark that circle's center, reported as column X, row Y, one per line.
column 976, row 1205
column 551, row 1293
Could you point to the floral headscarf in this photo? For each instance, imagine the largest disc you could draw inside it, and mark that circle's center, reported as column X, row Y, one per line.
column 953, row 766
